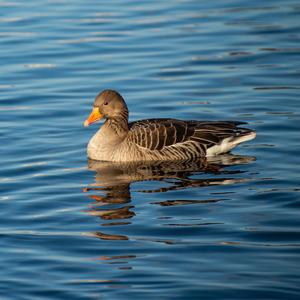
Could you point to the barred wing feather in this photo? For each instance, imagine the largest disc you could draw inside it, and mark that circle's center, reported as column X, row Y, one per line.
column 157, row 134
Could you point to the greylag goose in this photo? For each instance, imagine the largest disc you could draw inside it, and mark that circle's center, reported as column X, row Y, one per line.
column 157, row 139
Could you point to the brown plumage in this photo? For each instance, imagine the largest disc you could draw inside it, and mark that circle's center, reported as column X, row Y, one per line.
column 157, row 139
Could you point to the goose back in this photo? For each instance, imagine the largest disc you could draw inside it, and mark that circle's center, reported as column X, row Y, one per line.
column 196, row 136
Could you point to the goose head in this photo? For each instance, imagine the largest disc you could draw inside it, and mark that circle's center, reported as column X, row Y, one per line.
column 108, row 104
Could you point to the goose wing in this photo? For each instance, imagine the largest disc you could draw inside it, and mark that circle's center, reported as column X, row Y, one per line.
column 211, row 133
column 156, row 134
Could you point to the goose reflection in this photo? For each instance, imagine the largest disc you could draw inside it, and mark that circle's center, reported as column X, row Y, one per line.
column 111, row 189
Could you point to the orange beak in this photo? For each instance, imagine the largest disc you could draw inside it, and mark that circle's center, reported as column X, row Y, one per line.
column 93, row 117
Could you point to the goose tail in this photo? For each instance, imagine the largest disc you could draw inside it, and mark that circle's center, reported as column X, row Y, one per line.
column 231, row 142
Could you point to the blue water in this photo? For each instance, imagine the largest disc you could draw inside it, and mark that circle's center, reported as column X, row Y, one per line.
column 72, row 229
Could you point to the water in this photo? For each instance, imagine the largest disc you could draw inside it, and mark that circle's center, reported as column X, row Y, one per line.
column 72, row 229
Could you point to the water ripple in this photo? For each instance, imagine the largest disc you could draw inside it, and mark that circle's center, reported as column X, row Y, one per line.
column 226, row 228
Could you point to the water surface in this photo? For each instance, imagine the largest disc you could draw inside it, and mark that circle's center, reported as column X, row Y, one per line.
column 224, row 229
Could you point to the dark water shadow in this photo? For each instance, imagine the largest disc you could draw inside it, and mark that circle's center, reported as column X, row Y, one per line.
column 112, row 195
